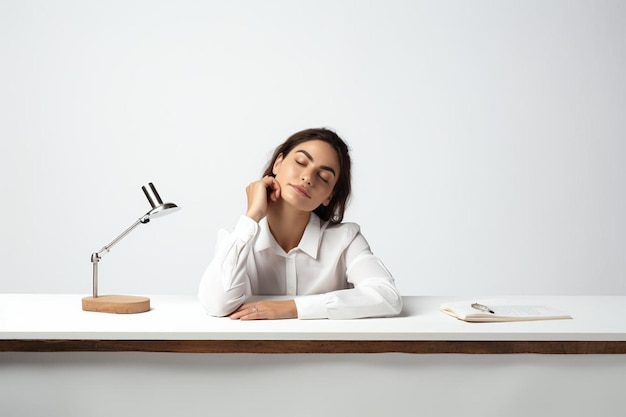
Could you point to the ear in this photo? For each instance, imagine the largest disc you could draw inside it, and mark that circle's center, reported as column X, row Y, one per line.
column 277, row 162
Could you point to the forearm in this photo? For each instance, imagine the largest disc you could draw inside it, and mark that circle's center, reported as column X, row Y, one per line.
column 225, row 283
column 377, row 298
column 220, row 291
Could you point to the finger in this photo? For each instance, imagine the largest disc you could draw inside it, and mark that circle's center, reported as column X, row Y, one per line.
column 239, row 312
column 275, row 193
column 258, row 199
column 238, row 315
column 246, row 312
column 267, row 180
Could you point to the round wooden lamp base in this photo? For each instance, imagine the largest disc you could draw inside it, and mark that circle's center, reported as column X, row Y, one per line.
column 120, row 304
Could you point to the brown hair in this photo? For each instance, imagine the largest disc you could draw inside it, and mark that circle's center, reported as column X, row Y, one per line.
column 335, row 209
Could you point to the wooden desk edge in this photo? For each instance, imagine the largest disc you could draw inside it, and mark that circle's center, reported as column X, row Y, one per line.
column 315, row 346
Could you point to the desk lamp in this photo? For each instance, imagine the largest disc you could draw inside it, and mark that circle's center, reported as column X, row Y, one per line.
column 125, row 303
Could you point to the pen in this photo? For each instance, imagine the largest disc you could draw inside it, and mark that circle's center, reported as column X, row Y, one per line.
column 483, row 308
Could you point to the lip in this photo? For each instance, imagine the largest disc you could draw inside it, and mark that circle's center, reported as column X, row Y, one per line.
column 300, row 190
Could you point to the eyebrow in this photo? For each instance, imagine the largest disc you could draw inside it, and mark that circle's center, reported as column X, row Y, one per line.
column 324, row 167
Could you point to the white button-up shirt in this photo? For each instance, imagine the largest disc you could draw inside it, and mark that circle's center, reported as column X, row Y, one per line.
column 332, row 273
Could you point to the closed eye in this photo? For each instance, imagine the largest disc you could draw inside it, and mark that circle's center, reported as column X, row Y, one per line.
column 304, row 162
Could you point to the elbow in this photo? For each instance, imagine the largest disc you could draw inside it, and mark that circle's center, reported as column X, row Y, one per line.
column 396, row 305
column 392, row 299
column 211, row 309
column 215, row 300
column 214, row 306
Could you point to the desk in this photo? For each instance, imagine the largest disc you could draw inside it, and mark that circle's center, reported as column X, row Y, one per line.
column 45, row 323
column 56, row 359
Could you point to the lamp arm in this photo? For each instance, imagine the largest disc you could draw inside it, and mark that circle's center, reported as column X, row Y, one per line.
column 96, row 256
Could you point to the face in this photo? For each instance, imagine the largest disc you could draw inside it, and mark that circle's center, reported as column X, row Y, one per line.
column 307, row 174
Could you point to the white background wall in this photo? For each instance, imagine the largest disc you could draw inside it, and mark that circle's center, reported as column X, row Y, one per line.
column 487, row 136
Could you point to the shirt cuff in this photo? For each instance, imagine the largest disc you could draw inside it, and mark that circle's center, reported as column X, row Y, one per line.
column 246, row 229
column 312, row 306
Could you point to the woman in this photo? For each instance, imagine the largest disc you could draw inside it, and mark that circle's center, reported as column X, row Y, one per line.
column 291, row 242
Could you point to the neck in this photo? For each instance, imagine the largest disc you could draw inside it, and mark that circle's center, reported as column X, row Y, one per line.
column 287, row 224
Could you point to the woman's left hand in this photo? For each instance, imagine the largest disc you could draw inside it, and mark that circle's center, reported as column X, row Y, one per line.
column 262, row 310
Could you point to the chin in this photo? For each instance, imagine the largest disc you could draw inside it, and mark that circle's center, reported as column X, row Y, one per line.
column 298, row 205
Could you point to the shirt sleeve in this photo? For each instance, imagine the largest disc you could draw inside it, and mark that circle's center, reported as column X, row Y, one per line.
column 225, row 284
column 374, row 293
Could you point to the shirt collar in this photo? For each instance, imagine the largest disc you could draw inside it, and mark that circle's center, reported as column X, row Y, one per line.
column 309, row 243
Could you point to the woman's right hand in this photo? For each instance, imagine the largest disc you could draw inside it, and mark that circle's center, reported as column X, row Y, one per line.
column 260, row 195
